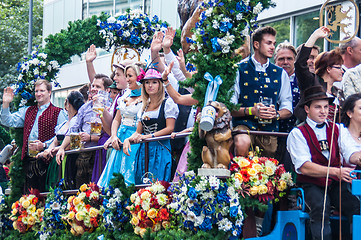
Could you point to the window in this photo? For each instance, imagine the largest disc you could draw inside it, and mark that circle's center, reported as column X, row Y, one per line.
column 304, row 26
column 283, row 30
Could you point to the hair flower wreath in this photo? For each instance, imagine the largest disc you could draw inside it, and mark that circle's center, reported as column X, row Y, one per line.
column 141, row 75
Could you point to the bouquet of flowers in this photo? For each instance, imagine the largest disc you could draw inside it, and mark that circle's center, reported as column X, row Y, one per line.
column 26, row 213
column 115, row 204
column 208, row 203
column 85, row 210
column 55, row 207
column 264, row 177
column 37, row 67
column 149, row 208
column 133, row 29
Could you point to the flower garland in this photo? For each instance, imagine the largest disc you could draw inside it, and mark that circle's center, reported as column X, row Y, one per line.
column 85, row 210
column 37, row 67
column 264, row 177
column 207, row 203
column 149, row 208
column 26, row 213
column 115, row 204
column 133, row 29
column 55, row 207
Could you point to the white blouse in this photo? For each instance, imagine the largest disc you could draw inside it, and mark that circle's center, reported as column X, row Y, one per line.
column 170, row 111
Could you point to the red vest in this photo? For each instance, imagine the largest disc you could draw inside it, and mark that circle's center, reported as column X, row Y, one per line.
column 316, row 153
column 46, row 124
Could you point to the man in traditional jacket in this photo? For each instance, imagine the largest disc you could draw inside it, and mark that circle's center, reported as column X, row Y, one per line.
column 39, row 124
column 311, row 147
column 258, row 81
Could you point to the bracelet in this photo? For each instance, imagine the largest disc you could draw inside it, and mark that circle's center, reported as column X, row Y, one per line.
column 244, row 111
column 166, row 85
column 250, row 111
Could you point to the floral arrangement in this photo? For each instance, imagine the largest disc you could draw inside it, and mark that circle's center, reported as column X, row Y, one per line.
column 116, row 213
column 26, row 213
column 5, row 223
column 149, row 208
column 55, row 208
column 37, row 67
column 264, row 178
column 85, row 210
column 208, row 203
column 133, row 29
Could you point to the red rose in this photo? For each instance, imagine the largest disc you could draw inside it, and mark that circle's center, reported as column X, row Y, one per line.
column 163, row 214
column 94, row 222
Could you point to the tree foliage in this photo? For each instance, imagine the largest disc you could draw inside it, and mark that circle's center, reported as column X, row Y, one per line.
column 14, row 26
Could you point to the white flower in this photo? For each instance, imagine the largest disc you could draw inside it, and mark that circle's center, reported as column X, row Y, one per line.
column 228, row 225
column 158, row 188
column 239, row 16
column 111, row 19
column 20, row 76
column 288, row 178
column 258, row 8
column 23, row 102
column 190, row 216
column 98, row 22
column 234, row 202
column 246, row 2
column 54, row 64
column 189, row 173
column 214, row 182
column 43, row 55
column 215, row 24
column 82, row 195
column 227, row 19
column 55, row 206
column 208, row 12
column 33, row 52
column 25, row 67
column 226, row 49
column 146, row 205
column 245, row 32
column 42, row 63
column 34, row 61
column 36, row 71
column 117, row 192
column 126, row 33
column 239, row 222
column 162, row 199
column 199, row 220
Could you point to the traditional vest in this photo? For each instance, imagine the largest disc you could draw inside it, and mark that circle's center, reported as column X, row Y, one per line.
column 286, row 125
column 253, row 85
column 153, row 125
column 46, row 124
column 316, row 153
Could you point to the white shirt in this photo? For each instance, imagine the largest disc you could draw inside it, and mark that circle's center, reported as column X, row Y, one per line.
column 285, row 96
column 300, row 152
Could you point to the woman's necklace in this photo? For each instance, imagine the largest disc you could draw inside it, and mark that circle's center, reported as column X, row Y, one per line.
column 358, row 138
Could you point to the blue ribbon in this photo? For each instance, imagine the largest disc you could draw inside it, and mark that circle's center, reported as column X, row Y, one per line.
column 135, row 92
column 212, row 88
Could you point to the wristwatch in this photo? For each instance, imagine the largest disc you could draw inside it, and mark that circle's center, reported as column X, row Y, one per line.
column 277, row 116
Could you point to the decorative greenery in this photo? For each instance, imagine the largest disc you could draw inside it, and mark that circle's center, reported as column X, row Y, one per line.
column 221, row 29
column 133, row 29
column 208, row 204
column 5, row 136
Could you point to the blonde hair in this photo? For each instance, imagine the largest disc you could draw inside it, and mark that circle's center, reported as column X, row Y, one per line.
column 160, row 95
column 135, row 66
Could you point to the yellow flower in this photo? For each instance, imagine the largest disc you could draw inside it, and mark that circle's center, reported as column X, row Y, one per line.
column 255, row 159
column 239, row 177
column 70, row 199
column 83, row 187
column 39, row 212
column 21, row 200
column 152, row 213
column 142, row 232
column 31, row 220
column 14, row 211
column 262, row 189
column 252, row 171
column 79, row 216
column 133, row 197
column 243, row 162
column 134, row 221
column 81, row 196
column 76, row 201
column 258, row 167
column 269, row 171
column 145, row 195
column 282, row 185
column 13, row 206
column 79, row 230
column 253, row 190
column 15, row 225
column 71, row 215
column 93, row 212
column 137, row 230
column 31, row 209
column 26, row 203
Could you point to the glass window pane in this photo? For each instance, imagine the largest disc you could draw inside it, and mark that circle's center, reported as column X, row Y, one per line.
column 122, row 5
column 283, row 30
column 304, row 26
column 98, row 6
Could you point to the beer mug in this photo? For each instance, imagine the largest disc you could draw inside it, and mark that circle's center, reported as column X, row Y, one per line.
column 95, row 126
column 32, row 153
column 100, row 102
column 75, row 141
column 208, row 117
column 267, row 102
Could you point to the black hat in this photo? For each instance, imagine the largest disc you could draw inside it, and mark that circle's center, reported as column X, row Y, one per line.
column 316, row 93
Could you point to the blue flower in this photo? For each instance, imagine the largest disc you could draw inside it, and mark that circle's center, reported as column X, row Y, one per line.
column 209, row 209
column 134, row 39
column 196, row 208
column 206, row 224
column 225, row 26
column 122, row 17
column 26, row 95
column 163, row 25
column 215, row 45
column 190, row 68
column 231, row 11
column 18, row 67
column 222, row 197
column 117, row 26
column 189, row 40
column 188, row 224
column 120, row 33
column 221, row 4
column 192, row 193
column 155, row 19
column 136, row 21
column 233, row 211
column 240, row 7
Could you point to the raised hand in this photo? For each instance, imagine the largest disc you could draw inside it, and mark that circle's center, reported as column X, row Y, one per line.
column 168, row 39
column 91, row 54
column 320, row 32
column 166, row 71
column 157, row 42
column 8, row 96
column 181, row 59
